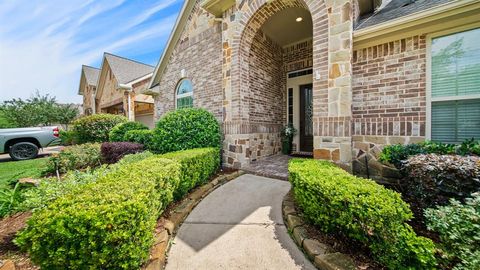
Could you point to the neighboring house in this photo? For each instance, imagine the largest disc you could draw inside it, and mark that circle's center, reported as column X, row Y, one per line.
column 87, row 88
column 118, row 86
column 351, row 76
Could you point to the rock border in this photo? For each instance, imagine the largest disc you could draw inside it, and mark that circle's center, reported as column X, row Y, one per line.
column 176, row 216
column 322, row 255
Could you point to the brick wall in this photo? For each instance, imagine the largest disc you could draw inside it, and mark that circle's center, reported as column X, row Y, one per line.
column 266, row 81
column 298, row 56
column 199, row 53
column 388, row 98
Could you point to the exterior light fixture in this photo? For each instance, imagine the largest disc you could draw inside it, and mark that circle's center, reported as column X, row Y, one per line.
column 299, row 19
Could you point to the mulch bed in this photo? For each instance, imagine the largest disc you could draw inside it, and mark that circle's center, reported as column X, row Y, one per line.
column 339, row 243
column 9, row 226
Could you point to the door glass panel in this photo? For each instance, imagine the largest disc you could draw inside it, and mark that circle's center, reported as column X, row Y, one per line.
column 308, row 112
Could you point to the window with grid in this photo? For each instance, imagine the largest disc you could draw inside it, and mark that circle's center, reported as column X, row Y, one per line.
column 184, row 94
column 455, row 91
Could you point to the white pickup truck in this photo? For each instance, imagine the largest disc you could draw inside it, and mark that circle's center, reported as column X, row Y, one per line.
column 23, row 143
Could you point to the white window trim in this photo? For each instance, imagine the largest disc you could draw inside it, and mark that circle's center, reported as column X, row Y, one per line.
column 429, row 99
column 189, row 94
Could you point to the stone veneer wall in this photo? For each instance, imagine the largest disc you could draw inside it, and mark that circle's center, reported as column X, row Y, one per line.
column 199, row 53
column 389, row 102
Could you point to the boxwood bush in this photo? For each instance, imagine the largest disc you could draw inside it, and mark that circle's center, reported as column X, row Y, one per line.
column 144, row 136
column 197, row 166
column 106, row 219
column 96, row 127
column 186, row 129
column 337, row 201
column 109, row 224
column 117, row 134
column 114, row 151
column 75, row 157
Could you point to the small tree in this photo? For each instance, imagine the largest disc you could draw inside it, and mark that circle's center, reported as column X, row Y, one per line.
column 37, row 110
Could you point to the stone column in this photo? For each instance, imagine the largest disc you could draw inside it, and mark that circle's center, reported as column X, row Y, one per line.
column 332, row 140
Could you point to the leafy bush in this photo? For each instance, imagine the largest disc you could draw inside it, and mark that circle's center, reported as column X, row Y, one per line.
column 337, row 201
column 432, row 179
column 459, row 228
column 117, row 134
column 143, row 136
column 186, row 129
column 107, row 224
column 67, row 137
column 96, row 127
column 51, row 188
column 197, row 166
column 75, row 157
column 9, row 200
column 114, row 151
column 396, row 154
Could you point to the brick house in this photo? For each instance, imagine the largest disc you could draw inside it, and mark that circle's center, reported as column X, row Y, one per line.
column 115, row 88
column 350, row 75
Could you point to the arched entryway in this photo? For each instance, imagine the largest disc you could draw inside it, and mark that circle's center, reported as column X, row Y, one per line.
column 266, row 53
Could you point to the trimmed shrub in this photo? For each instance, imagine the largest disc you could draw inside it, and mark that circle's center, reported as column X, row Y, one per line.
column 432, row 179
column 197, row 166
column 117, row 134
column 459, row 228
column 396, row 154
column 75, row 157
column 337, row 201
column 144, row 136
column 186, row 129
column 96, row 127
column 114, row 151
column 108, row 224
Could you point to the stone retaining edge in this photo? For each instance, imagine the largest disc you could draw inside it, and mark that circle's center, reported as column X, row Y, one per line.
column 163, row 239
column 321, row 255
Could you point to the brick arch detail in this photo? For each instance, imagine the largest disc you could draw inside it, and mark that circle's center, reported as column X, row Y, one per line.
column 253, row 15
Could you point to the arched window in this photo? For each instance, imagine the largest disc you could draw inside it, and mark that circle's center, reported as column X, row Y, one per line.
column 184, row 94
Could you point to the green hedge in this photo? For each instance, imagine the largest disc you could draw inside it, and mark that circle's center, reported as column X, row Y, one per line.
column 143, row 136
column 337, row 201
column 186, row 129
column 197, row 166
column 96, row 127
column 117, row 134
column 108, row 223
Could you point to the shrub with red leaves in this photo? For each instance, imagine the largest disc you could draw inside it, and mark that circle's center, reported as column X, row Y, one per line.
column 114, row 151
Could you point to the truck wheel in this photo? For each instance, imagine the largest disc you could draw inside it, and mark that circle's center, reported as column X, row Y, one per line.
column 23, row 151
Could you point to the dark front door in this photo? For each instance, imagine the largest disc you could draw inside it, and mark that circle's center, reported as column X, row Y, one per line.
column 306, row 123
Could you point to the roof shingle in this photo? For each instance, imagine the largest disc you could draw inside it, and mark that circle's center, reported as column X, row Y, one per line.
column 396, row 9
column 91, row 74
column 126, row 70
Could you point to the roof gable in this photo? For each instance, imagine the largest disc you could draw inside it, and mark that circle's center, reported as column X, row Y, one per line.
column 89, row 76
column 126, row 70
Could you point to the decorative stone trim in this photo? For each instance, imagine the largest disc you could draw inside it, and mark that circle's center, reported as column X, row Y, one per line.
column 322, row 255
column 172, row 219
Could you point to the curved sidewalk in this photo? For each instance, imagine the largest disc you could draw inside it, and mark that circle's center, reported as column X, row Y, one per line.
column 238, row 226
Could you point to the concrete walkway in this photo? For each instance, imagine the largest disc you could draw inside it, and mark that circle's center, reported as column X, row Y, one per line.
column 238, row 226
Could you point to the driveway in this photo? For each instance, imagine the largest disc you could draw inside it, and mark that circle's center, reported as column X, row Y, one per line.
column 238, row 226
column 41, row 153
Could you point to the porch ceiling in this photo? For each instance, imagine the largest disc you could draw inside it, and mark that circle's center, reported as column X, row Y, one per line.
column 284, row 29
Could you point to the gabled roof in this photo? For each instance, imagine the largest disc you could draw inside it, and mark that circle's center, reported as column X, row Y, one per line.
column 395, row 9
column 126, row 70
column 91, row 77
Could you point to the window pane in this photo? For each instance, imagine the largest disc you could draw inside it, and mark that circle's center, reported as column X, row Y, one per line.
column 455, row 121
column 456, row 64
column 184, row 87
column 184, row 102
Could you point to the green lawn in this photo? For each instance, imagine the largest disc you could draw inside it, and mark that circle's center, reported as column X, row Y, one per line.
column 20, row 169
